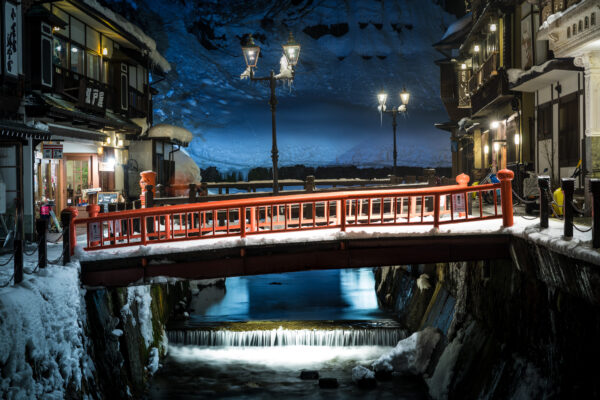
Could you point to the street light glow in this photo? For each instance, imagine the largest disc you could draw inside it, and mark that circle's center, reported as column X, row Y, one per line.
column 494, row 124
column 404, row 96
column 382, row 98
column 476, row 48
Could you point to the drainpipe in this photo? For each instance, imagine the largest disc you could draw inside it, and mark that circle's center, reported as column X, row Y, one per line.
column 171, row 157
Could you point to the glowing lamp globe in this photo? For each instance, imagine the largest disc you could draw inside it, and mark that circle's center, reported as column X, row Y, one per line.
column 251, row 52
column 382, row 98
column 404, row 96
column 292, row 51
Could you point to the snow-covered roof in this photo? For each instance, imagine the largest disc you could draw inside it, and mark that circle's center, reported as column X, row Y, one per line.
column 458, row 26
column 134, row 31
column 175, row 133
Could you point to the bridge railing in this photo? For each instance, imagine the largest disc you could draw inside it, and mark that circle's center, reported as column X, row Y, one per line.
column 276, row 214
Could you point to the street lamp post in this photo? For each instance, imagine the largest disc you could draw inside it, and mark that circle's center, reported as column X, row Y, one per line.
column 382, row 98
column 291, row 51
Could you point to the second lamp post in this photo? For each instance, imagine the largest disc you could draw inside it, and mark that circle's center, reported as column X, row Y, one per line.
column 291, row 50
column 382, row 98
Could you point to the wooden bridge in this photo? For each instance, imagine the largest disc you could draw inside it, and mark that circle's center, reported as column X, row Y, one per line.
column 293, row 232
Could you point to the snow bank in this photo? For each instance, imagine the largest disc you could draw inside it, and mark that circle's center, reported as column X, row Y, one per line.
column 444, row 371
column 360, row 373
column 153, row 360
column 42, row 342
column 177, row 133
column 411, row 355
column 140, row 295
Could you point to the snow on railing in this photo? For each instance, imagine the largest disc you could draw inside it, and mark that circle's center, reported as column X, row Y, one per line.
column 341, row 210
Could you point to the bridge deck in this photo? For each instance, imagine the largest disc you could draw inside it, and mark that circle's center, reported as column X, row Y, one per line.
column 294, row 251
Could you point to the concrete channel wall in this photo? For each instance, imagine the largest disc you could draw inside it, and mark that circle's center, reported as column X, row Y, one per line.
column 524, row 326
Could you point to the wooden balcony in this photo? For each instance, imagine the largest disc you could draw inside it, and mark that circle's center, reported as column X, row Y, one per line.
column 138, row 104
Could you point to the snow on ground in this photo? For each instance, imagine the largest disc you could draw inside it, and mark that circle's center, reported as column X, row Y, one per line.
column 411, row 355
column 578, row 247
column 42, row 342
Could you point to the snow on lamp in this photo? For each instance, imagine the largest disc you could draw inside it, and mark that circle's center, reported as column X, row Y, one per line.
column 292, row 51
column 251, row 52
column 404, row 96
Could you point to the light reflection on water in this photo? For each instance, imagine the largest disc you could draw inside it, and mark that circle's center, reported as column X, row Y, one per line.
column 307, row 295
column 194, row 372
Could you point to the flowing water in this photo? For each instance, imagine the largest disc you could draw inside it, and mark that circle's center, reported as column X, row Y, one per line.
column 252, row 340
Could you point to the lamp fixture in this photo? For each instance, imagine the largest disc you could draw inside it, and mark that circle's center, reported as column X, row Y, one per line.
column 517, row 139
column 476, row 48
column 486, row 149
column 291, row 50
column 493, row 27
column 104, row 51
column 463, row 66
column 404, row 96
column 494, row 124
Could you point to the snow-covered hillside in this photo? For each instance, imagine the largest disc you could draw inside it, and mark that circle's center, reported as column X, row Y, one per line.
column 350, row 50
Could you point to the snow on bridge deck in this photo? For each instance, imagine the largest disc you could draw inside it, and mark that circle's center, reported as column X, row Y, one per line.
column 419, row 238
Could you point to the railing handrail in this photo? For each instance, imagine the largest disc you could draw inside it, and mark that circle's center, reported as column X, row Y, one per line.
column 286, row 199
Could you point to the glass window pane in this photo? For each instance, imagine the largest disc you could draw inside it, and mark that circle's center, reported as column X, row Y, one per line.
column 77, row 31
column 59, row 54
column 92, row 39
column 65, row 18
column 108, row 45
column 132, row 76
column 93, row 66
column 140, row 78
column 105, row 71
column 77, row 59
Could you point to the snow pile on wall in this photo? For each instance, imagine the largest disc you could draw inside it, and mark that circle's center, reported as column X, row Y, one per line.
column 141, row 296
column 42, row 342
column 186, row 169
column 177, row 133
column 134, row 31
column 411, row 355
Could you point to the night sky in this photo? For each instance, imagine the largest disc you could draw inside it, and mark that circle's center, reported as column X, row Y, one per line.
column 350, row 51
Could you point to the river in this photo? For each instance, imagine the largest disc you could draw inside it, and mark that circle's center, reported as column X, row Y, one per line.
column 252, row 339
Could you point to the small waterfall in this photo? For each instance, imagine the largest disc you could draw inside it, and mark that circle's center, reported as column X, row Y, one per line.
column 288, row 337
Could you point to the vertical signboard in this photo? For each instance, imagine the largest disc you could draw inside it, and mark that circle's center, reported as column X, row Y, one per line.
column 12, row 40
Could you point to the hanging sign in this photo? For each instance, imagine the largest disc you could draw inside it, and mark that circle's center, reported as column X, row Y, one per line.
column 92, row 96
column 51, row 150
column 12, row 39
column 458, row 202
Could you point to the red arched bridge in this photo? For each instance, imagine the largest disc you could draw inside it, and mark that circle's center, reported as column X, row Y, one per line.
column 298, row 232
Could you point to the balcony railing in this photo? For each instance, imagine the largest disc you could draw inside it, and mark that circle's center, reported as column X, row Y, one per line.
column 484, row 73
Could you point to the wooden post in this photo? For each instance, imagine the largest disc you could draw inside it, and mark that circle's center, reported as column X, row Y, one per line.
column 568, row 188
column 192, row 193
column 544, row 185
column 242, row 221
column 204, row 189
column 65, row 219
column 309, row 184
column 160, row 190
column 506, row 176
column 595, row 189
column 149, row 200
column 343, row 215
column 41, row 226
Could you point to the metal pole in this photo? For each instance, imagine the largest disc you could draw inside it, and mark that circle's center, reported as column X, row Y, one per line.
column 41, row 226
column 595, row 189
column 274, row 151
column 568, row 187
column 544, row 185
column 65, row 219
column 19, row 206
column 394, row 112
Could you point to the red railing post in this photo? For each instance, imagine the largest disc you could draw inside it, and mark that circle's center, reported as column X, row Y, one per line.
column 143, row 229
column 436, row 211
column 243, row 221
column 253, row 219
column 506, row 176
column 343, row 215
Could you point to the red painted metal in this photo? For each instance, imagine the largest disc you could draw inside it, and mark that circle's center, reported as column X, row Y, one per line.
column 341, row 210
